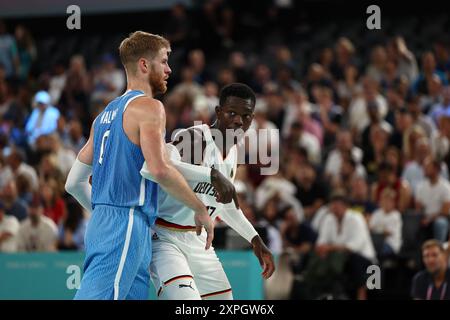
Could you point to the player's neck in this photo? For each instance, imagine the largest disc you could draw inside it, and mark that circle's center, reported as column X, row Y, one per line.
column 144, row 86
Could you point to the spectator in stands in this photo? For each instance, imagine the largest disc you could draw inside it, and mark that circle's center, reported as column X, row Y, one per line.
column 441, row 48
column 177, row 29
column 346, row 175
column 390, row 76
column 54, row 205
column 414, row 134
column 299, row 137
column 345, row 56
column 349, row 86
column 65, row 157
column 72, row 228
column 311, row 191
column 376, row 66
column 270, row 220
column 108, row 80
column 359, row 199
column 12, row 204
column 326, row 59
column 37, row 232
column 316, row 77
column 48, row 169
column 24, row 189
column 261, row 76
column 26, row 51
column 428, row 71
column 197, row 63
column 43, row 119
column 432, row 283
column 299, row 109
column 388, row 178
column 434, row 94
column 75, row 139
column 326, row 108
column 433, row 200
column 9, row 57
column 240, row 67
column 298, row 236
column 403, row 125
column 57, row 81
column 413, row 170
column 225, row 76
column 285, row 79
column 387, row 222
column 16, row 161
column 419, row 118
column 344, row 145
column 375, row 120
column 6, row 173
column 9, row 226
column 404, row 58
column 75, row 97
column 375, row 150
column 345, row 231
column 440, row 107
column 358, row 116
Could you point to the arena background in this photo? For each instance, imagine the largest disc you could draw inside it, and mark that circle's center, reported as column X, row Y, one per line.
column 311, row 63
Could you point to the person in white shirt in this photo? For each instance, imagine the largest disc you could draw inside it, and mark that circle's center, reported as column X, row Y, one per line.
column 344, row 145
column 433, row 200
column 37, row 232
column 388, row 222
column 9, row 225
column 413, row 170
column 346, row 231
column 306, row 140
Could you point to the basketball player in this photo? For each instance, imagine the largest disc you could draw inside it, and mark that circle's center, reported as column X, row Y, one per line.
column 180, row 268
column 128, row 131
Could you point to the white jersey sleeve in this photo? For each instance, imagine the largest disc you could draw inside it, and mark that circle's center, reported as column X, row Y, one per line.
column 236, row 219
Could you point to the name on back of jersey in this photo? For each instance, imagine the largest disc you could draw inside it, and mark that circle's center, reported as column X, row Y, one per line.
column 108, row 116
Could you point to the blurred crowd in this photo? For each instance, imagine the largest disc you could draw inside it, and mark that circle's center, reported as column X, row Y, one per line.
column 364, row 142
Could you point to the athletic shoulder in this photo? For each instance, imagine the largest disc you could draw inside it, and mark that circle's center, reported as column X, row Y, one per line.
column 145, row 107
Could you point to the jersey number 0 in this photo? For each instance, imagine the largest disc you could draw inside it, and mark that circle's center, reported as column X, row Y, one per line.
column 102, row 147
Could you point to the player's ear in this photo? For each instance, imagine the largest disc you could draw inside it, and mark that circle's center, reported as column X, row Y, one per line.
column 218, row 110
column 144, row 65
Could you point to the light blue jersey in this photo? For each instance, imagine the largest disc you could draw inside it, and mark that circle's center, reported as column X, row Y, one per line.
column 117, row 239
column 116, row 180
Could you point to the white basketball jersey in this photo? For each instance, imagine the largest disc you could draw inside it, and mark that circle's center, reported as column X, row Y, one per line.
column 176, row 212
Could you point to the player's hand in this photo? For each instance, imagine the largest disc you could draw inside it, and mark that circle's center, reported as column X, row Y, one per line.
column 224, row 187
column 202, row 219
column 264, row 256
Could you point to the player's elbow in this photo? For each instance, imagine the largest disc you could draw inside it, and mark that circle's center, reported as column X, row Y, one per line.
column 70, row 187
column 160, row 174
